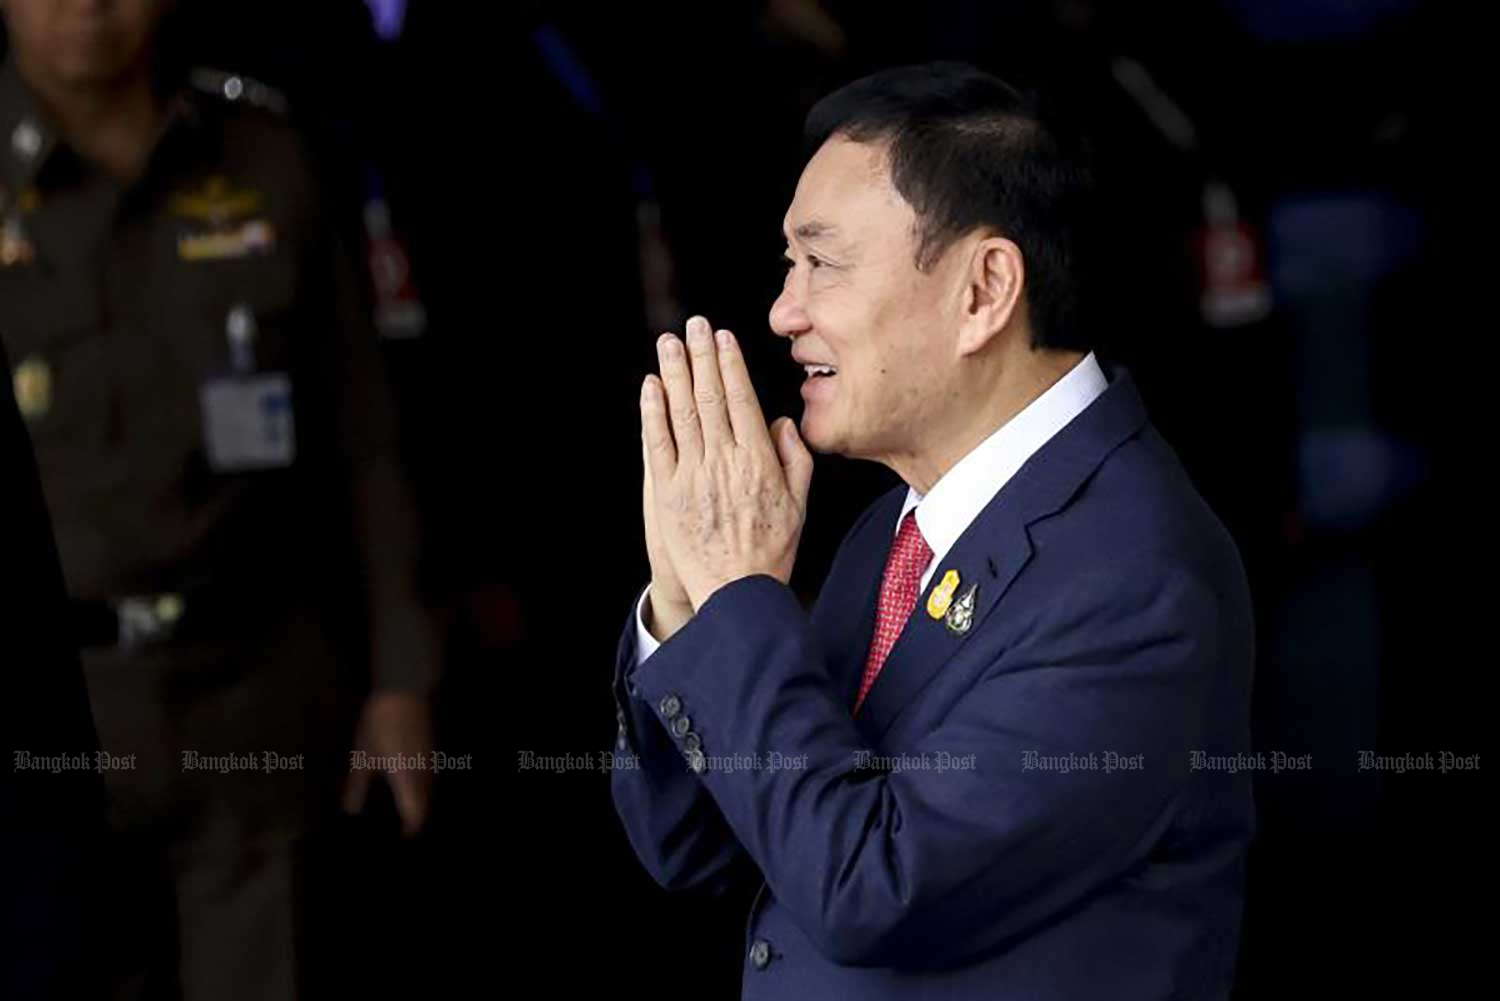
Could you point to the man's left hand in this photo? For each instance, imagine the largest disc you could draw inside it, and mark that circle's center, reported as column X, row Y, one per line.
column 395, row 725
column 730, row 494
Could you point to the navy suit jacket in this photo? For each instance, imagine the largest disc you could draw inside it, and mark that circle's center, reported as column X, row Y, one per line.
column 1016, row 811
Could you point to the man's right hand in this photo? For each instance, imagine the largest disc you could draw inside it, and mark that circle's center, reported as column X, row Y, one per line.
column 667, row 606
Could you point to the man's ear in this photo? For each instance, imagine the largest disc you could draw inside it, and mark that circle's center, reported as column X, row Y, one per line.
column 994, row 278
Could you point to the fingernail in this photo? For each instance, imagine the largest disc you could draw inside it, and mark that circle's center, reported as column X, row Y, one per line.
column 669, row 344
column 723, row 338
column 697, row 325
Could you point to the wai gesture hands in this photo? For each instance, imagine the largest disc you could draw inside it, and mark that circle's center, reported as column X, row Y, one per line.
column 724, row 496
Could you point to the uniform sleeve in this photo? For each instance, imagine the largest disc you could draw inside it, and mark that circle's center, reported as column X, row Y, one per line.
column 403, row 638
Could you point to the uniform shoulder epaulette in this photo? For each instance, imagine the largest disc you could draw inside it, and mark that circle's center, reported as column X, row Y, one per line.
column 236, row 88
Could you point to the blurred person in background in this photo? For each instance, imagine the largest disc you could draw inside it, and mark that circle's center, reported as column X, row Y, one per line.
column 195, row 362
column 51, row 799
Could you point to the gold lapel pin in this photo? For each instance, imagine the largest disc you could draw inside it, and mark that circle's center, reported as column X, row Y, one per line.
column 942, row 595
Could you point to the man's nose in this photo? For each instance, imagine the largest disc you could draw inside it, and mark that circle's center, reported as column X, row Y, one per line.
column 787, row 316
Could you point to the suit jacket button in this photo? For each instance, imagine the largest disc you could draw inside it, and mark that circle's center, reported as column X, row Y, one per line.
column 681, row 725
column 691, row 742
column 697, row 762
column 760, row 953
column 671, row 705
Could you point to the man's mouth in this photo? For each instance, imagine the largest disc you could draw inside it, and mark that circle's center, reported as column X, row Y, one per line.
column 819, row 381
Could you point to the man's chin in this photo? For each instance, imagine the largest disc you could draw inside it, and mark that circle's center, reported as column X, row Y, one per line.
column 818, row 437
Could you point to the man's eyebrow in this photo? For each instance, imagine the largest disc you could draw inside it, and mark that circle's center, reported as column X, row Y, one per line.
column 815, row 229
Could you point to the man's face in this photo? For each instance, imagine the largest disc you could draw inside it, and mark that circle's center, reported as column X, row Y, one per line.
column 855, row 300
column 75, row 43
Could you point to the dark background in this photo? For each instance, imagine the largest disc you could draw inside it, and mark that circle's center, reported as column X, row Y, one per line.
column 526, row 149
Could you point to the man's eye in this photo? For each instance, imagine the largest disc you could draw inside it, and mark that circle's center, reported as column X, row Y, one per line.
column 787, row 262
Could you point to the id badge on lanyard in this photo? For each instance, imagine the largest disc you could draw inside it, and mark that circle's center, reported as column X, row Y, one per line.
column 248, row 421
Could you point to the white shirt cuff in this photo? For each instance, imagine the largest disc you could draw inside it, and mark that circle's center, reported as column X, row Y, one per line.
column 645, row 643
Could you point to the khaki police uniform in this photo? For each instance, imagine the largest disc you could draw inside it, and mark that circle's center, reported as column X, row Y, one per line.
column 197, row 370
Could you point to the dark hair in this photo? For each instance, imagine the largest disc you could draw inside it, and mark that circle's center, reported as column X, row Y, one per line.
column 968, row 150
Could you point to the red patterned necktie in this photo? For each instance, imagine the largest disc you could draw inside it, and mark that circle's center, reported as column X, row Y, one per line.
column 899, row 587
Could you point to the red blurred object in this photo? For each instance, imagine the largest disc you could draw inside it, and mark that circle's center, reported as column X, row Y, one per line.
column 399, row 312
column 1234, row 290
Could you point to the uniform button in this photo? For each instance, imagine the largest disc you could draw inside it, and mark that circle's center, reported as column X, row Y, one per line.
column 26, row 139
column 671, row 705
column 681, row 725
column 697, row 762
column 760, row 953
column 691, row 742
column 233, row 88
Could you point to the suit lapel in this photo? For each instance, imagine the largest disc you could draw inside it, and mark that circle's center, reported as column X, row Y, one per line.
column 988, row 556
column 844, row 617
column 994, row 549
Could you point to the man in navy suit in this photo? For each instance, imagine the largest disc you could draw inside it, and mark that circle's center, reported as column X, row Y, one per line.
column 993, row 761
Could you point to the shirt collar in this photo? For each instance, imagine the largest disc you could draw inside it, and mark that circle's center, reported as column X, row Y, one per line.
column 29, row 137
column 956, row 499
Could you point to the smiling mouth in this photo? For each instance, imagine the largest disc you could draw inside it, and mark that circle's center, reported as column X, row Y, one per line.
column 820, row 371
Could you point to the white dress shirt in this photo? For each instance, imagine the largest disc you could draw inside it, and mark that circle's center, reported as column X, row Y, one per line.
column 956, row 499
